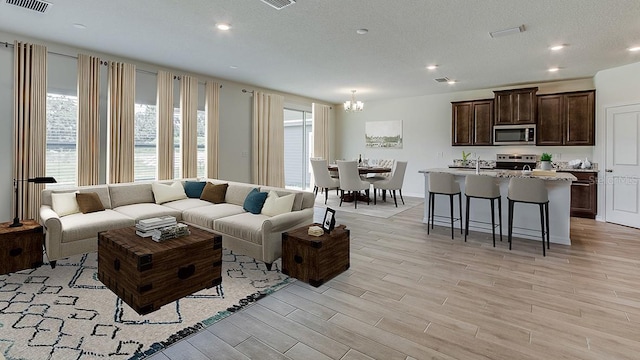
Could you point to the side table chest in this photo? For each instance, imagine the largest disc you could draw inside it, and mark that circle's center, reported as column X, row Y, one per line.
column 315, row 259
column 20, row 247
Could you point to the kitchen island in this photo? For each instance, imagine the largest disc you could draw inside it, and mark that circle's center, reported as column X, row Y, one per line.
column 526, row 220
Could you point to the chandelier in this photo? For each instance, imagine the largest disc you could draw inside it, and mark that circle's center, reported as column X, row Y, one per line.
column 353, row 105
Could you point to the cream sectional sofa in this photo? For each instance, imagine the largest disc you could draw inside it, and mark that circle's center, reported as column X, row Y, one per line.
column 255, row 235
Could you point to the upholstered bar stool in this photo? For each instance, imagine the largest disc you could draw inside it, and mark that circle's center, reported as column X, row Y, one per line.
column 443, row 184
column 483, row 187
column 530, row 191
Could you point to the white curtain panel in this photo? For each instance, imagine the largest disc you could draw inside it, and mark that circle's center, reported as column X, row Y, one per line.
column 268, row 140
column 88, row 120
column 212, row 109
column 29, row 123
column 121, row 115
column 189, row 129
column 164, row 125
column 321, row 115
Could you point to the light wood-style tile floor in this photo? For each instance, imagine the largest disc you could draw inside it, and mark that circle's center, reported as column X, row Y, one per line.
column 412, row 296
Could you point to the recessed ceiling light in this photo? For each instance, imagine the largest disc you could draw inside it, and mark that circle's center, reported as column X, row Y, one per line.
column 79, row 26
column 432, row 67
column 505, row 32
column 451, row 82
column 557, row 47
column 233, row 67
column 634, row 49
column 362, row 31
column 553, row 69
column 223, row 27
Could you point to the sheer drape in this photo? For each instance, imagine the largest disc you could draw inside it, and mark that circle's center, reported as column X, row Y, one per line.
column 164, row 122
column 121, row 115
column 321, row 131
column 189, row 111
column 212, row 109
column 88, row 120
column 268, row 140
column 29, row 123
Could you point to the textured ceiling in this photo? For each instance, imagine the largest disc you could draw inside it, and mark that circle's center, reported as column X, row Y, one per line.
column 311, row 47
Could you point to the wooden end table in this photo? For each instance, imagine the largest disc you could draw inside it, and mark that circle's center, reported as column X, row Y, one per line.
column 315, row 259
column 20, row 247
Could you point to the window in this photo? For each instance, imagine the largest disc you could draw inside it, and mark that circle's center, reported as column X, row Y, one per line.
column 202, row 156
column 297, row 147
column 145, row 143
column 62, row 134
column 177, row 159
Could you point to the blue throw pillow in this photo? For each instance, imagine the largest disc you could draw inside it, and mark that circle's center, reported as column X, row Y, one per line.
column 193, row 189
column 254, row 201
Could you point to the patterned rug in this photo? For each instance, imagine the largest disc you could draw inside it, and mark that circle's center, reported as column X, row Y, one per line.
column 67, row 313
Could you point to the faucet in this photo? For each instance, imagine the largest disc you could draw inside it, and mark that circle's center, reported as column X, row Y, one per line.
column 477, row 164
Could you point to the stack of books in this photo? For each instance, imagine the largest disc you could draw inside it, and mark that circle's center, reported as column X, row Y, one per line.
column 170, row 232
column 146, row 227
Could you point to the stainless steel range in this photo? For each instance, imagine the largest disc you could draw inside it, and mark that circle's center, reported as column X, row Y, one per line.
column 515, row 161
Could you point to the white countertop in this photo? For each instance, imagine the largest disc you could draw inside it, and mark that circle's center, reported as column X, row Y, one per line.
column 558, row 176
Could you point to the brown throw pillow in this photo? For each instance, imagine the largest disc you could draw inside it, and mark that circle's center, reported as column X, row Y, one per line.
column 89, row 202
column 214, row 193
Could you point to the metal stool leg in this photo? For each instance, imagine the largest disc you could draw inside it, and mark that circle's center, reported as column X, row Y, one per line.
column 429, row 213
column 547, row 216
column 542, row 228
column 466, row 232
column 500, row 215
column 510, row 221
column 493, row 222
column 451, row 204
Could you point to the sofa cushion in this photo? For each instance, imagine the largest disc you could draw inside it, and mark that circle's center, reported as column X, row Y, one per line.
column 89, row 202
column 297, row 203
column 245, row 226
column 147, row 210
column 81, row 226
column 276, row 205
column 214, row 193
column 127, row 193
column 163, row 193
column 206, row 215
column 237, row 193
column 186, row 204
column 193, row 189
column 254, row 201
column 64, row 203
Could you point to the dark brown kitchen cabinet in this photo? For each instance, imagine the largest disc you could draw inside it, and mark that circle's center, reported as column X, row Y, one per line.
column 566, row 119
column 471, row 122
column 584, row 194
column 517, row 106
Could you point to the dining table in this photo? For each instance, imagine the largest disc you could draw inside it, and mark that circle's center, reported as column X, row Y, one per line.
column 362, row 170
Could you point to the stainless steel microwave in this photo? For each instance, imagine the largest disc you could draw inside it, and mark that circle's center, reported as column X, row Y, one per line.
column 514, row 134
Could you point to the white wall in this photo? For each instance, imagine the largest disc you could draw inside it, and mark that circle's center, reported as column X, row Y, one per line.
column 427, row 131
column 615, row 87
column 235, row 114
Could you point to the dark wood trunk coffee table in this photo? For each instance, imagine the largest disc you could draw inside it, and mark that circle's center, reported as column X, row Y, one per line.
column 147, row 275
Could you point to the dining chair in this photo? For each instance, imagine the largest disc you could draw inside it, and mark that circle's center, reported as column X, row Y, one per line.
column 393, row 183
column 322, row 178
column 350, row 181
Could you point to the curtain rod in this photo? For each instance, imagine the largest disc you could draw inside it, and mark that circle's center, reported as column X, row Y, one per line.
column 248, row 91
column 7, row 45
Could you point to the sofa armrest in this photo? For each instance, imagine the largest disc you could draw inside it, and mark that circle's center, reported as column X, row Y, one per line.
column 288, row 220
column 50, row 220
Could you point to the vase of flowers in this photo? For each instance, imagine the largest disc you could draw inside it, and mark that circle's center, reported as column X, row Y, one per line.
column 545, row 161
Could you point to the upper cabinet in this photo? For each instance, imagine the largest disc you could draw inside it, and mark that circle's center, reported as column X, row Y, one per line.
column 471, row 122
column 566, row 119
column 517, row 106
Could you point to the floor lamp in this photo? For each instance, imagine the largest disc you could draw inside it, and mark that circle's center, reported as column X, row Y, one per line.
column 35, row 180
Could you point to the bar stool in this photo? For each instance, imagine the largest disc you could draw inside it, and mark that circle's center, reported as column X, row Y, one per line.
column 483, row 187
column 530, row 191
column 443, row 184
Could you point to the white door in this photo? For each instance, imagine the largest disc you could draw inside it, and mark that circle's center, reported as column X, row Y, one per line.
column 622, row 166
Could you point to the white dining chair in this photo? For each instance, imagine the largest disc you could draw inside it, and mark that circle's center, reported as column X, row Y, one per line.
column 350, row 181
column 393, row 183
column 322, row 178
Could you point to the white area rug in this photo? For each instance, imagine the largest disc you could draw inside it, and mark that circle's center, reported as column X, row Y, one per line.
column 381, row 209
column 67, row 313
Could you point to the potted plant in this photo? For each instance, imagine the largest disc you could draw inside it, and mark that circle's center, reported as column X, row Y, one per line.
column 545, row 161
column 465, row 155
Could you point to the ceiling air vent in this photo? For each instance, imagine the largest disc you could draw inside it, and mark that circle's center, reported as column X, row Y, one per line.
column 35, row 5
column 278, row 4
column 442, row 79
